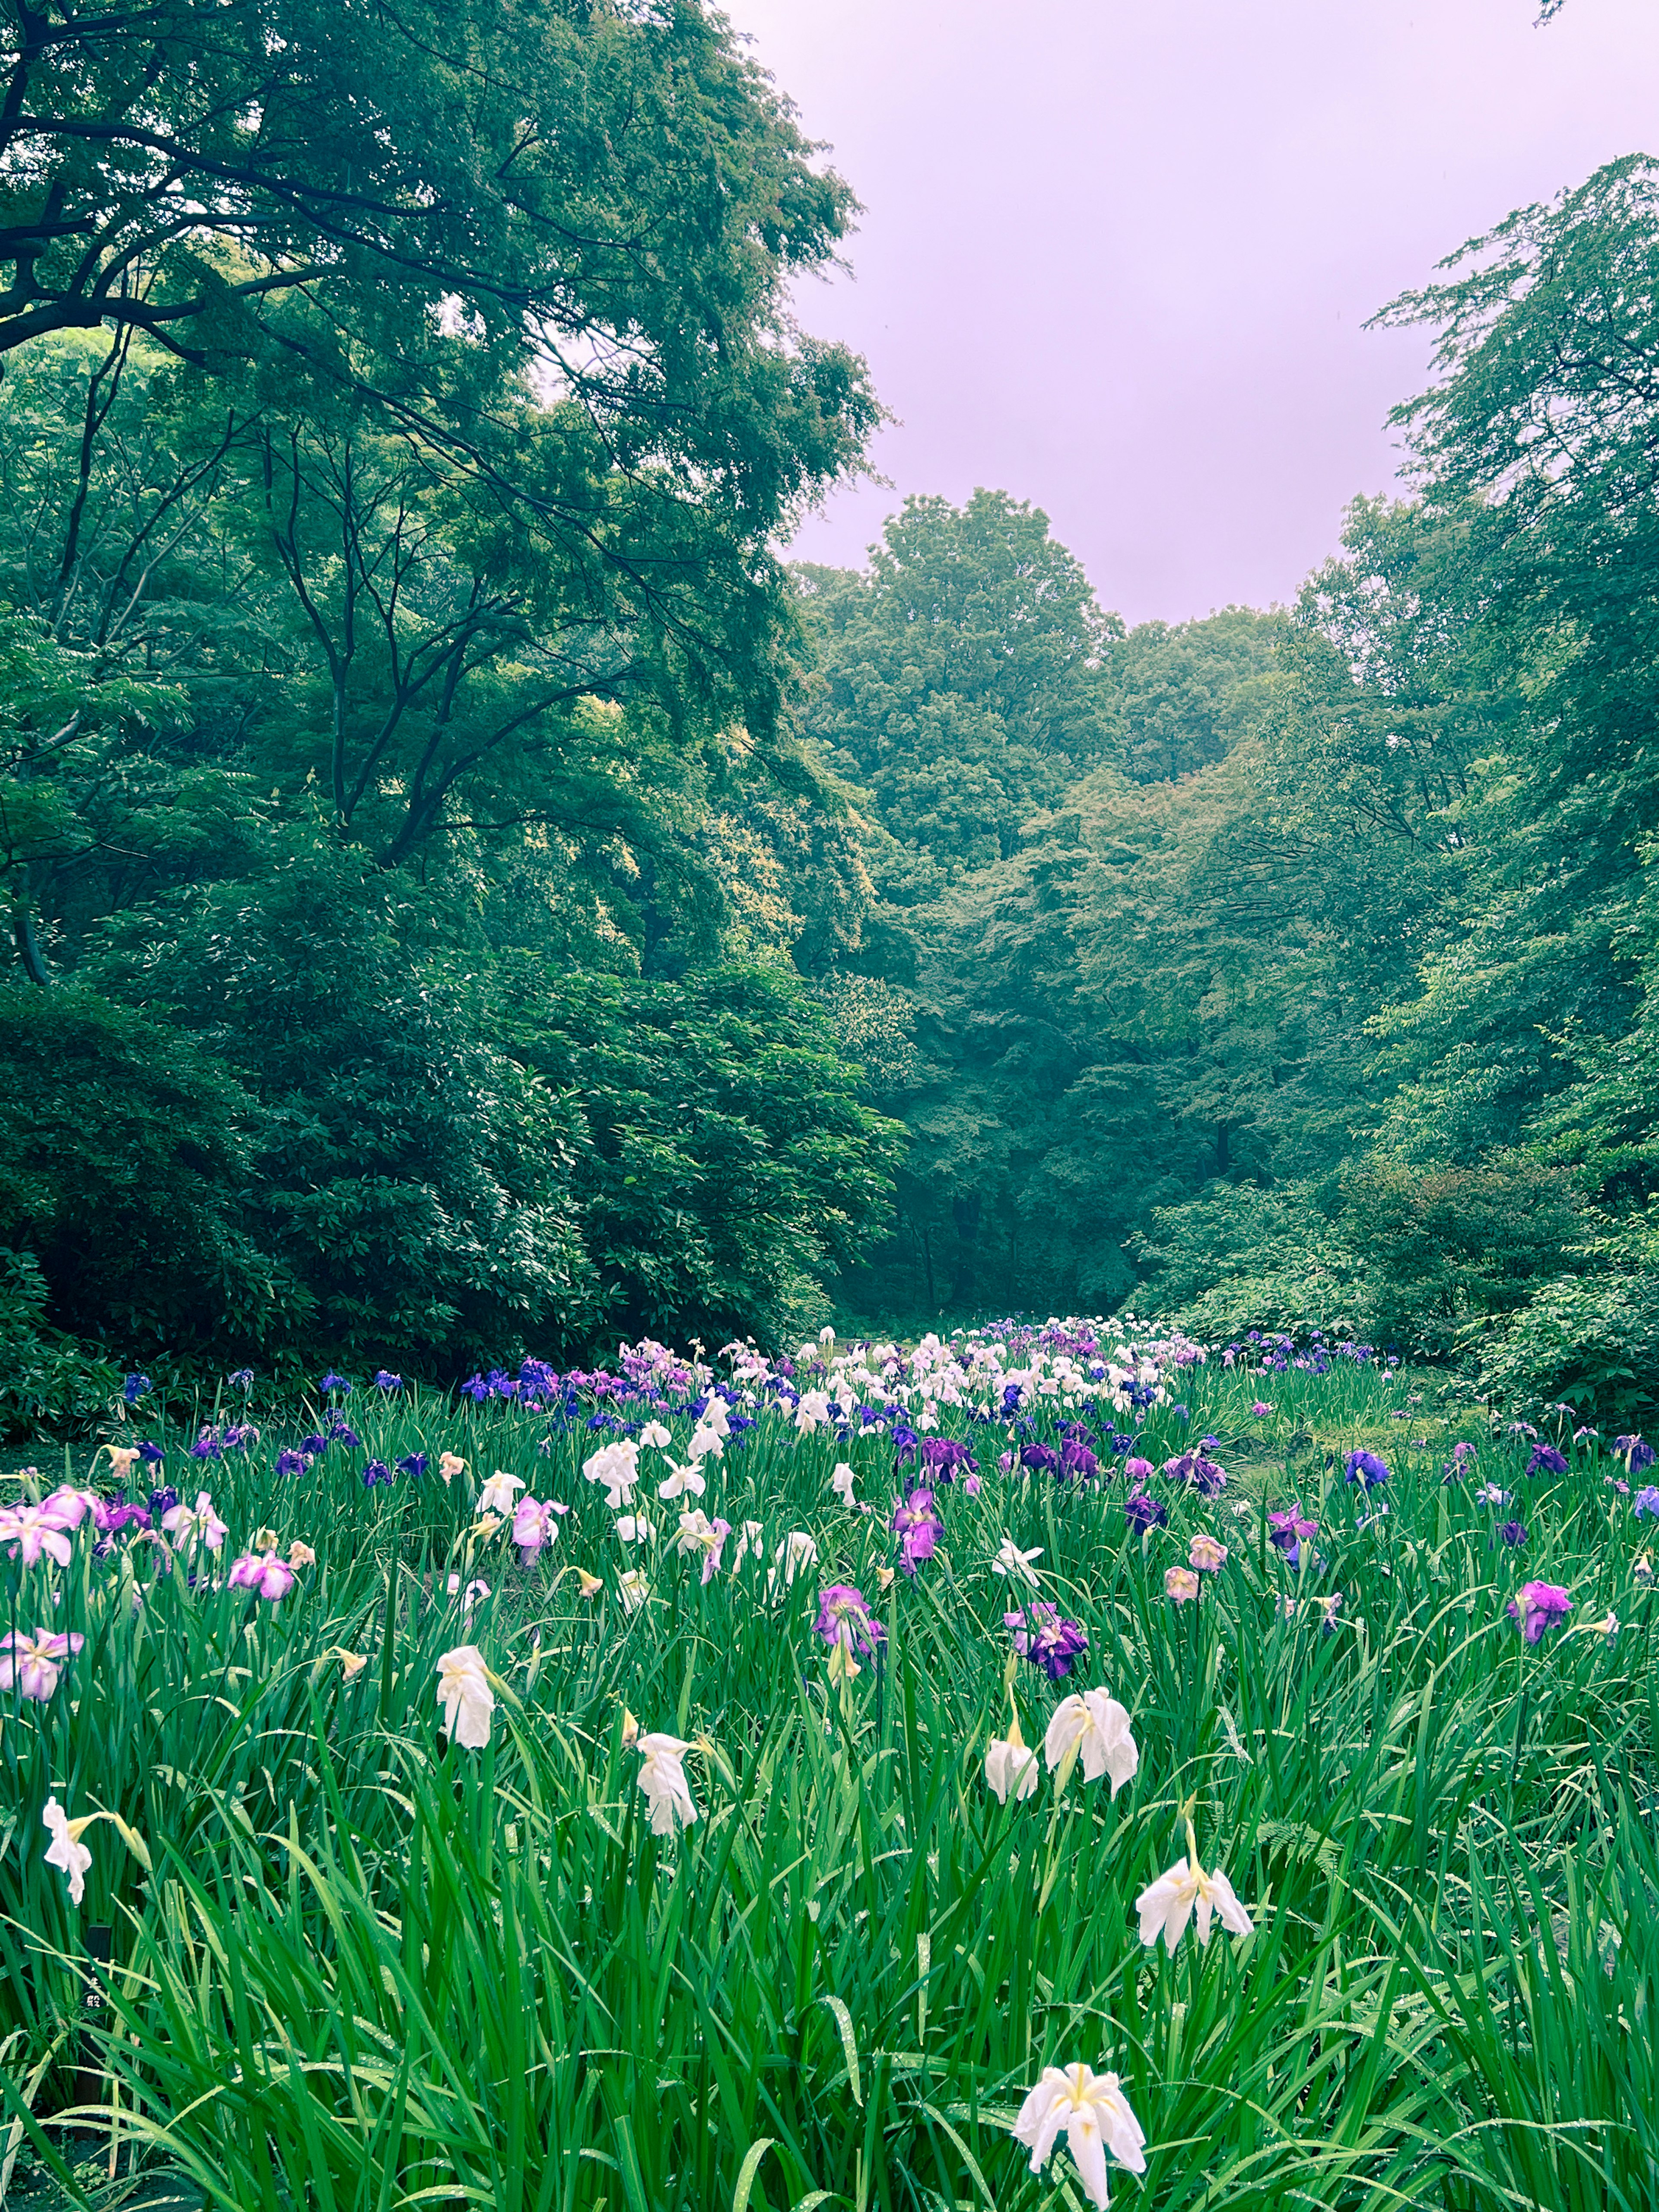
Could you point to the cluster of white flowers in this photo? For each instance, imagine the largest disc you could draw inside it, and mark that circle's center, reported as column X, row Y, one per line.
column 1092, row 1729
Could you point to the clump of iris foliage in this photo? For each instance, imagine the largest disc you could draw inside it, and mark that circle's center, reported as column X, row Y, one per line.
column 1393, row 1665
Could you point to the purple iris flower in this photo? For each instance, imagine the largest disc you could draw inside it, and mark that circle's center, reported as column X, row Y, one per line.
column 151, row 1454
column 383, row 1381
column 290, row 1462
column 1635, row 1455
column 1040, row 1458
column 1539, row 1606
column 376, row 1471
column 1143, row 1511
column 1206, row 1476
column 135, row 1388
column 331, row 1382
column 1646, row 1501
column 1078, row 1463
column 1366, row 1467
column 1288, row 1530
column 1042, row 1635
column 1545, row 1459
column 917, row 1525
column 943, row 1456
column 1513, row 1533
column 844, row 1616
column 413, row 1464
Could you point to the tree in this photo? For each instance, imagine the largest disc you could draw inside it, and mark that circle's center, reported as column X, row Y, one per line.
column 547, row 246
column 961, row 677
column 1186, row 695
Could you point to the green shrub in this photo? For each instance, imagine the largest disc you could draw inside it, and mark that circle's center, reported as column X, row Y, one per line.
column 1591, row 1340
column 124, row 1169
column 729, row 1162
column 1450, row 1250
column 47, row 1379
column 411, row 1181
column 1238, row 1257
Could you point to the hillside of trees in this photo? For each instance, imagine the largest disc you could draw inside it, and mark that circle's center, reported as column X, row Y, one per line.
column 468, row 894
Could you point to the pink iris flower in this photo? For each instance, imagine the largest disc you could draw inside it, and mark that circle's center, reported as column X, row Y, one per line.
column 263, row 1571
column 31, row 1664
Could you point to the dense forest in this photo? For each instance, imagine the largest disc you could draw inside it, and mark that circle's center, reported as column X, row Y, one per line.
column 468, row 893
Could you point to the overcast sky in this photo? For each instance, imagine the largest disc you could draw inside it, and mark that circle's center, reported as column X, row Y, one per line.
column 1117, row 255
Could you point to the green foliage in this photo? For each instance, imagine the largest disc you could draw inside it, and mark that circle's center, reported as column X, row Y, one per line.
column 961, row 676
column 358, row 1959
column 124, row 1156
column 728, row 1163
column 1187, row 693
column 47, row 1379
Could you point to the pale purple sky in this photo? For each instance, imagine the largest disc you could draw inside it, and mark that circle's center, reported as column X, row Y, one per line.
column 1117, row 255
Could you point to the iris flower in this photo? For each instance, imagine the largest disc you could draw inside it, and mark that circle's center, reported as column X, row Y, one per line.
column 536, row 1523
column 618, row 1467
column 263, row 1571
column 1095, row 2116
column 1095, row 1728
column 465, row 1693
column 1539, row 1606
column 841, row 1483
column 656, row 1435
column 699, row 1534
column 681, row 1479
column 1180, row 1584
column 794, row 1555
column 496, row 1496
column 1010, row 1764
column 31, row 1664
column 35, row 1531
column 1017, row 1565
column 66, row 1849
column 1206, row 1556
column 186, row 1524
column 1167, row 1905
column 662, row 1778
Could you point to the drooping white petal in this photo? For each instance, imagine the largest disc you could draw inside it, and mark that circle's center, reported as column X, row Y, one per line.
column 1066, row 1724
column 1088, row 2149
column 1010, row 1767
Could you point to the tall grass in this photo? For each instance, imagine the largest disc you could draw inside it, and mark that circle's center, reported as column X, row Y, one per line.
column 367, row 1968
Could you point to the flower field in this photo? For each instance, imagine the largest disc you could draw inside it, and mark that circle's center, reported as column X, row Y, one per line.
column 1013, row 1770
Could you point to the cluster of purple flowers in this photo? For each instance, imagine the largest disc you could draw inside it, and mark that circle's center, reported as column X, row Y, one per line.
column 215, row 1443
column 1539, row 1606
column 1636, row 1455
column 1044, row 1635
column 1143, row 1511
column 845, row 1617
column 942, row 1457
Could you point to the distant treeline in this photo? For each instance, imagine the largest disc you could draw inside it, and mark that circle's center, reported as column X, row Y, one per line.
column 466, row 894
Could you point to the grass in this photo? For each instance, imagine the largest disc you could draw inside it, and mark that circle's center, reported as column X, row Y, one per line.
column 365, row 1967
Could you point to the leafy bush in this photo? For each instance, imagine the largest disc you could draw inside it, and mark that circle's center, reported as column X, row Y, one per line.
column 1447, row 1250
column 411, row 1182
column 1238, row 1257
column 728, row 1161
column 124, row 1165
column 1589, row 1340
column 46, row 1379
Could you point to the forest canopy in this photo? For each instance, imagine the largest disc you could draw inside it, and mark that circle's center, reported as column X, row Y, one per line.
column 467, row 893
